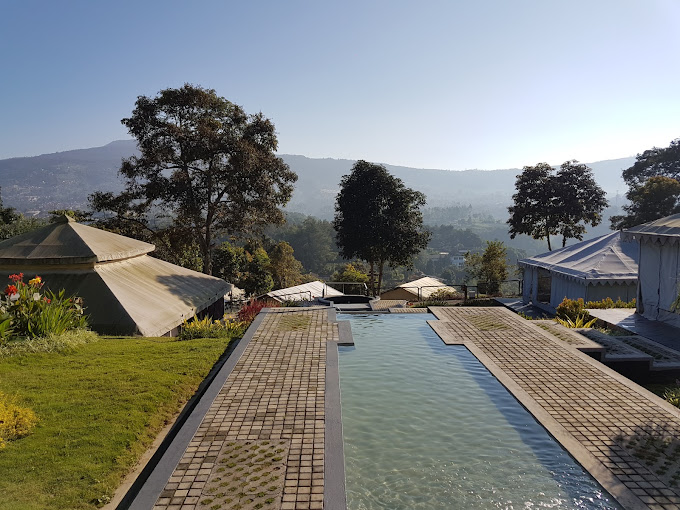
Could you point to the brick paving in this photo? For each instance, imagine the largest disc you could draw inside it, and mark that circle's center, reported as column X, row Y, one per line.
column 261, row 444
column 627, row 438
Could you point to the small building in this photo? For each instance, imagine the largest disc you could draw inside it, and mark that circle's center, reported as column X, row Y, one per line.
column 659, row 269
column 304, row 292
column 125, row 291
column 596, row 269
column 417, row 290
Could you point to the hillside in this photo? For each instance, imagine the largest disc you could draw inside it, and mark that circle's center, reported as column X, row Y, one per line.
column 65, row 179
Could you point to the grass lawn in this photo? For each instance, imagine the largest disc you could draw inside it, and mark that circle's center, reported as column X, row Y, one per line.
column 100, row 406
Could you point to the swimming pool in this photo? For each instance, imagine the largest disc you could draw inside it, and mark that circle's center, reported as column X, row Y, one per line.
column 426, row 426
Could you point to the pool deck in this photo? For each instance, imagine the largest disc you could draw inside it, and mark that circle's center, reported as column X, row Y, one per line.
column 262, row 442
column 626, row 437
column 270, row 434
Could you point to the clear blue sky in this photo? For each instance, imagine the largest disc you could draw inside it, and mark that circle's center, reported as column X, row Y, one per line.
column 433, row 84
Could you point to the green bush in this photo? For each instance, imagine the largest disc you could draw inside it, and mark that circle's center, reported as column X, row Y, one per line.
column 15, row 421
column 28, row 311
column 672, row 396
column 444, row 294
column 610, row 303
column 572, row 309
column 209, row 328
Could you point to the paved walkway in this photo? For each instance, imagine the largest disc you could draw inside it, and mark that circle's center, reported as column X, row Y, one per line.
column 261, row 444
column 635, row 323
column 627, row 438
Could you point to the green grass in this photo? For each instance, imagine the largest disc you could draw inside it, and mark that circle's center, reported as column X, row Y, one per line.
column 100, row 405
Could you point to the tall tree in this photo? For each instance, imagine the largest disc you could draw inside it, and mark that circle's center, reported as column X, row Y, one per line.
column 548, row 204
column 535, row 209
column 206, row 166
column 286, row 269
column 653, row 189
column 489, row 268
column 581, row 200
column 656, row 198
column 378, row 220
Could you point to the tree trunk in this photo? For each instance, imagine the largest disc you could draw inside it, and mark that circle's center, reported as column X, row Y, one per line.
column 371, row 282
column 380, row 276
column 564, row 241
column 547, row 235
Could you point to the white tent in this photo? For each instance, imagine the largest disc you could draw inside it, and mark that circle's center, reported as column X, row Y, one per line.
column 125, row 291
column 304, row 292
column 659, row 272
column 417, row 290
column 595, row 269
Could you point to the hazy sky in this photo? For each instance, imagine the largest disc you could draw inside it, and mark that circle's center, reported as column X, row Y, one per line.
column 432, row 84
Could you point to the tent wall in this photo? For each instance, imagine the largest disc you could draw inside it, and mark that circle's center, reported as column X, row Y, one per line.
column 659, row 278
column 624, row 292
column 530, row 282
column 399, row 293
column 566, row 287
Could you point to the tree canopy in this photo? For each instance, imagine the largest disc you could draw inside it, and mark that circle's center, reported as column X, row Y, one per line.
column 561, row 203
column 488, row 268
column 378, row 220
column 206, row 170
column 653, row 186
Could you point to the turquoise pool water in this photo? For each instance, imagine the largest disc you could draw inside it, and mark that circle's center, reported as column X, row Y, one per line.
column 426, row 426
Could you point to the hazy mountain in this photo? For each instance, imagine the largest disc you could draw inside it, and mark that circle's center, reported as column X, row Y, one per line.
column 65, row 179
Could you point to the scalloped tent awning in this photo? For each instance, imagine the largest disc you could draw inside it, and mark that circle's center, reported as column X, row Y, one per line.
column 125, row 291
column 664, row 231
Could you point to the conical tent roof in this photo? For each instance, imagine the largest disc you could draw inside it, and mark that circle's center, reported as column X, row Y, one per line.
column 68, row 242
column 125, row 291
column 604, row 259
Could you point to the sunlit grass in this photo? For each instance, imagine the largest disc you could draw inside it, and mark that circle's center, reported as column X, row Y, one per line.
column 99, row 404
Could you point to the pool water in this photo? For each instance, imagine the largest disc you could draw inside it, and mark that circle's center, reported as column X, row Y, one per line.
column 426, row 426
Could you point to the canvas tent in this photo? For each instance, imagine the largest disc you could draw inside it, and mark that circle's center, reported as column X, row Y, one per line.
column 593, row 270
column 659, row 269
column 125, row 291
column 416, row 290
column 304, row 292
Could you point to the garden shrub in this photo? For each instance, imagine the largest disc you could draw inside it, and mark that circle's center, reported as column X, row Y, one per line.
column 248, row 312
column 209, row 328
column 27, row 311
column 572, row 309
column 672, row 396
column 63, row 342
column 581, row 321
column 444, row 295
column 609, row 303
column 15, row 421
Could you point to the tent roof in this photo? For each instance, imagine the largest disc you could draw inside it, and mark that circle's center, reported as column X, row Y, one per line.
column 664, row 230
column 305, row 291
column 604, row 259
column 424, row 287
column 68, row 242
column 158, row 295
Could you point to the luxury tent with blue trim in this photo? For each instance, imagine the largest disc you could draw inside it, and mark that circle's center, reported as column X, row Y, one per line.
column 596, row 269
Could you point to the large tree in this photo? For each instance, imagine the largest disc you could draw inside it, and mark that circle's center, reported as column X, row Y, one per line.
column 562, row 203
column 378, row 220
column 653, row 186
column 206, row 170
column 489, row 268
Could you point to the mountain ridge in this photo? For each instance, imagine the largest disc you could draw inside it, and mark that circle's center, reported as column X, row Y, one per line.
column 64, row 180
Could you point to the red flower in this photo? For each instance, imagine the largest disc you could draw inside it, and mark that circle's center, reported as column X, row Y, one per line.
column 47, row 300
column 16, row 277
column 10, row 289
